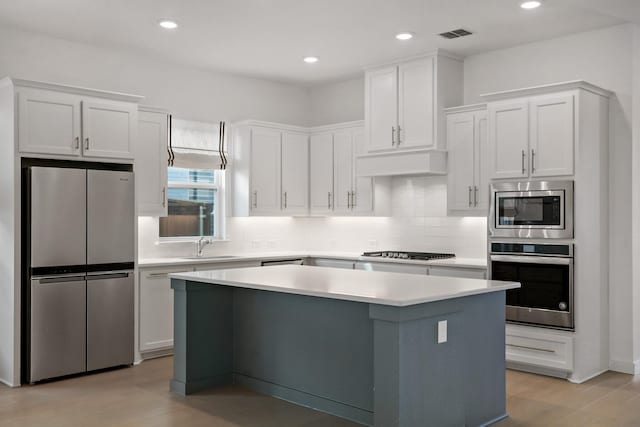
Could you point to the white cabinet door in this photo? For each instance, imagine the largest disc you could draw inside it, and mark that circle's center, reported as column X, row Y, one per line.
column 343, row 171
column 265, row 171
column 481, row 163
column 509, row 139
column 381, row 108
column 108, row 129
column 48, row 122
column 362, row 198
column 460, row 143
column 295, row 173
column 416, row 104
column 552, row 135
column 321, row 173
column 156, row 309
column 151, row 163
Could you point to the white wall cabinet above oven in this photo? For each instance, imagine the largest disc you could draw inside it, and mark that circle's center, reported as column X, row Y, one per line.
column 533, row 132
column 468, row 181
column 151, row 162
column 271, row 170
column 75, row 123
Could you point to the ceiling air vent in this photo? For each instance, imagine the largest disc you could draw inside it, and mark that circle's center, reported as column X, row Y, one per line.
column 454, row 34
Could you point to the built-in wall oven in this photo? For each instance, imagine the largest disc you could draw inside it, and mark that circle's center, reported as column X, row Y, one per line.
column 531, row 210
column 545, row 272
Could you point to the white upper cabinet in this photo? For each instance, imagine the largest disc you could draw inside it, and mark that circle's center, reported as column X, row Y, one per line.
column 343, row 171
column 552, row 135
column 48, row 122
column 295, row 173
column 533, row 136
column 509, row 138
column 416, row 104
column 467, row 186
column 151, row 163
column 321, row 173
column 265, row 171
column 65, row 121
column 382, row 108
column 362, row 198
column 108, row 129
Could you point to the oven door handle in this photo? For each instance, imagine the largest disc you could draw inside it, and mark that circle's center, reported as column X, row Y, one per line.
column 532, row 259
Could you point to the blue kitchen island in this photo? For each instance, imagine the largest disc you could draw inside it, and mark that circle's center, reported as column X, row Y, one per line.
column 382, row 349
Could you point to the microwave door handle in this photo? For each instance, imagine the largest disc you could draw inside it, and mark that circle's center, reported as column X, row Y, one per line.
column 523, row 259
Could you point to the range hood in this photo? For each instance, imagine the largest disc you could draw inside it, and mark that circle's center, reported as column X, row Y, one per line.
column 402, row 162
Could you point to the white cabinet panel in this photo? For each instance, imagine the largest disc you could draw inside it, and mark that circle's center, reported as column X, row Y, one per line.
column 151, row 163
column 108, row 129
column 156, row 309
column 48, row 122
column 382, row 108
column 343, row 171
column 416, row 104
column 321, row 173
column 265, row 171
column 509, row 139
column 481, row 163
column 295, row 173
column 460, row 142
column 552, row 135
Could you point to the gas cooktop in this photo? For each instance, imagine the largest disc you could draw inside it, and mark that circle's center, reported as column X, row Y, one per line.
column 421, row 256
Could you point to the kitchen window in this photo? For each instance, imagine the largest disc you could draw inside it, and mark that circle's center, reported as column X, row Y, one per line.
column 195, row 191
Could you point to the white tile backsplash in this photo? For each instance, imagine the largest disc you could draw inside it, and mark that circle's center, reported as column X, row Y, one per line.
column 418, row 223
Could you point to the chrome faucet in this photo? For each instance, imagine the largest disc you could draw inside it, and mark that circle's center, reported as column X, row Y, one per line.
column 201, row 243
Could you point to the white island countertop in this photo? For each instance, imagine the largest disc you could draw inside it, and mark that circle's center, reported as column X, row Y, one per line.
column 394, row 289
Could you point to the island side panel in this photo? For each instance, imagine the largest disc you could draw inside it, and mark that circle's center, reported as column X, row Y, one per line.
column 317, row 352
column 419, row 382
column 203, row 336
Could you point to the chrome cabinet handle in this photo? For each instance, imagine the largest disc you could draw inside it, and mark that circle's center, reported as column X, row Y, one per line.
column 533, row 160
column 285, row 200
column 399, row 139
column 348, row 199
column 526, row 347
column 164, row 197
column 475, row 196
column 523, row 155
column 86, row 143
column 353, row 200
column 329, row 200
column 77, row 142
column 470, row 196
column 255, row 199
column 393, row 136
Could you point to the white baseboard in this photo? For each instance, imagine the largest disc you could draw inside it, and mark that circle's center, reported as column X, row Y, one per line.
column 625, row 366
column 577, row 380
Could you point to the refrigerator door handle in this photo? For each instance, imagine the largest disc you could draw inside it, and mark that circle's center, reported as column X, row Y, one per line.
column 60, row 279
column 105, row 276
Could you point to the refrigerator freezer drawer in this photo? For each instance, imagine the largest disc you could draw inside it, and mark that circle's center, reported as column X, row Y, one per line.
column 58, row 217
column 58, row 327
column 109, row 320
column 110, row 217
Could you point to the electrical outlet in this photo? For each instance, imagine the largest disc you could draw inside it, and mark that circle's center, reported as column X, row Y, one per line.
column 442, row 331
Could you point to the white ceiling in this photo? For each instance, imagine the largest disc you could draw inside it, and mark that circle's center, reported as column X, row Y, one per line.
column 268, row 38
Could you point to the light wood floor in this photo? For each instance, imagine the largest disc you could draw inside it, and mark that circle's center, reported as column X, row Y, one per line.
column 139, row 397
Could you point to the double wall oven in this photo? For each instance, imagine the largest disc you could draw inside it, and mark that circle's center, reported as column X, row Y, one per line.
column 531, row 242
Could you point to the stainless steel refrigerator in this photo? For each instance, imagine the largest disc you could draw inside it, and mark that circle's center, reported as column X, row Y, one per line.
column 80, row 296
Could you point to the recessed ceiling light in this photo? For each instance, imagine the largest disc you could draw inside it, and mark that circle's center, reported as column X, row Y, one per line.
column 530, row 4
column 168, row 24
column 311, row 59
column 404, row 36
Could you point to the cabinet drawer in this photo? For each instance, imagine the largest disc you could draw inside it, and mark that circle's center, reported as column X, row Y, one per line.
column 545, row 350
column 466, row 273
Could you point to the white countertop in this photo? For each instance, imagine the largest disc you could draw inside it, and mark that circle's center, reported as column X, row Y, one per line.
column 395, row 289
column 272, row 256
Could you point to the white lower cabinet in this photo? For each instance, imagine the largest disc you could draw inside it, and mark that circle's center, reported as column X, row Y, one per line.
column 156, row 309
column 539, row 350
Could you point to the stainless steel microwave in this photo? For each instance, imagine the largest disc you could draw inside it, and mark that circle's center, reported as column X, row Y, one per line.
column 532, row 210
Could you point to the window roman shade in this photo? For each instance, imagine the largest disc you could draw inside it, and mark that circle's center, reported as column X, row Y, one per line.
column 196, row 145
